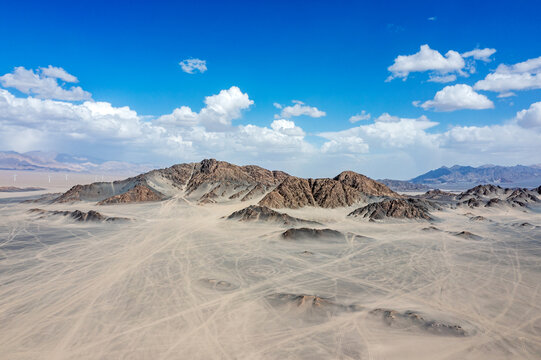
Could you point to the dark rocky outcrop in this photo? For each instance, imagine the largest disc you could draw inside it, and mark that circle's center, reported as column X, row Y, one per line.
column 395, row 208
column 77, row 215
column 309, row 233
column 313, row 304
column 478, row 218
column 431, row 229
column 467, row 235
column 263, row 213
column 407, row 319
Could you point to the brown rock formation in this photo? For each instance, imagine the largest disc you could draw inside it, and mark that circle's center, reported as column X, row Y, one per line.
column 345, row 189
column 263, row 213
column 394, row 208
column 211, row 171
column 364, row 184
column 214, row 181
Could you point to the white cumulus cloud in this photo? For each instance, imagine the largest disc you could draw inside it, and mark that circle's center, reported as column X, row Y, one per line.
column 480, row 54
column 426, row 59
column 386, row 131
column 299, row 108
column 531, row 117
column 360, row 117
column 442, row 78
column 457, row 97
column 58, row 73
column 521, row 76
column 217, row 115
column 190, row 66
column 43, row 83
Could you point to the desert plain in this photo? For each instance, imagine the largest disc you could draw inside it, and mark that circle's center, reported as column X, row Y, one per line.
column 183, row 278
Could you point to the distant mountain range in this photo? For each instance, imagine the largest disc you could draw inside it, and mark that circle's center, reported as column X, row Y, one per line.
column 53, row 162
column 465, row 176
column 455, row 177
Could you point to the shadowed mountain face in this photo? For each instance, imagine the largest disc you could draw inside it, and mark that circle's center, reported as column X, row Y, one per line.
column 212, row 181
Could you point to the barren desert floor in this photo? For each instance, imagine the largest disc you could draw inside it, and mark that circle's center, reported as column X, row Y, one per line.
column 179, row 281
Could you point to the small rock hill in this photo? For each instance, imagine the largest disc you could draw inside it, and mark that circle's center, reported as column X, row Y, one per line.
column 263, row 213
column 395, row 208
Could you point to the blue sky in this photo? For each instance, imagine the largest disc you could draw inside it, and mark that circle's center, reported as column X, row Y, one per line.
column 333, row 56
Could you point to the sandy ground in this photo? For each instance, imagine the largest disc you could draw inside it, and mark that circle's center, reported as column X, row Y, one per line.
column 180, row 282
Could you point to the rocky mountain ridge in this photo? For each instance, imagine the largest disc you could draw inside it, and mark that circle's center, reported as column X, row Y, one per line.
column 211, row 181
